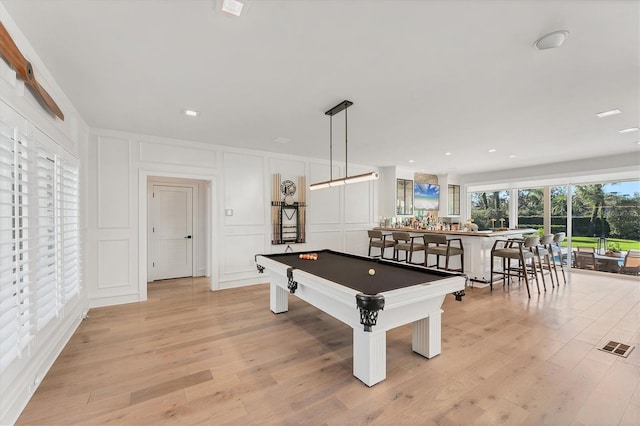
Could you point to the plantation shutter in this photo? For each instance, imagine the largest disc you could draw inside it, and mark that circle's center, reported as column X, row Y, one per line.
column 47, row 290
column 69, row 217
column 39, row 233
column 15, row 325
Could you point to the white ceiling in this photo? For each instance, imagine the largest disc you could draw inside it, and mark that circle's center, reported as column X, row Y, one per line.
column 426, row 77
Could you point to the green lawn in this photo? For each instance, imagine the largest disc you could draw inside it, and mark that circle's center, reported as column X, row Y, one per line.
column 593, row 242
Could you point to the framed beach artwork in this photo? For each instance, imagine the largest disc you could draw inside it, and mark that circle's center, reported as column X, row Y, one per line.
column 426, row 196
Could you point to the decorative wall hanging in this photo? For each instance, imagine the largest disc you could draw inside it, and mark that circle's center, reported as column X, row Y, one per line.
column 10, row 52
column 287, row 214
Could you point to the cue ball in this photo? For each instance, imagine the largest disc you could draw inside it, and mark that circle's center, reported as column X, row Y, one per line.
column 372, row 271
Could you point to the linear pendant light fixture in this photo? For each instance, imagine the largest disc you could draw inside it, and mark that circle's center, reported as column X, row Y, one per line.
column 347, row 179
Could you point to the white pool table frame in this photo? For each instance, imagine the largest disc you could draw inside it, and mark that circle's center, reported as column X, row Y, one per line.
column 418, row 304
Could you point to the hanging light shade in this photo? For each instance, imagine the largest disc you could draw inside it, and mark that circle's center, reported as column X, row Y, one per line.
column 346, row 179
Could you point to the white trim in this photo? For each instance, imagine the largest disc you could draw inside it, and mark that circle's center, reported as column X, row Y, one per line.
column 578, row 178
column 214, row 225
column 195, row 223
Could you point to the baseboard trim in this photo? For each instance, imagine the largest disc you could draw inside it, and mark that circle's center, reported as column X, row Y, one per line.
column 22, row 378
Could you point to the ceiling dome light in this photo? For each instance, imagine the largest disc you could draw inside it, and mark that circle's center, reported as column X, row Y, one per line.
column 551, row 40
column 232, row 7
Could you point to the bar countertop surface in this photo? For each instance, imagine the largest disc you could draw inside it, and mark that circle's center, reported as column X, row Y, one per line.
column 503, row 233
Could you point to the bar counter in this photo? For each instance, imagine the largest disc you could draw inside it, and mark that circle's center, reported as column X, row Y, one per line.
column 477, row 248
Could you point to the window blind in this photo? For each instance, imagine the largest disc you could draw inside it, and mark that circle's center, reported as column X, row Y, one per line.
column 69, row 217
column 15, row 325
column 39, row 236
column 47, row 290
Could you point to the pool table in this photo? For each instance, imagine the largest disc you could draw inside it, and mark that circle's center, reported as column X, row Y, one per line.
column 371, row 302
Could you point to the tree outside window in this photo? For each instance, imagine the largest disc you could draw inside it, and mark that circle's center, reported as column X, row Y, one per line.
column 486, row 206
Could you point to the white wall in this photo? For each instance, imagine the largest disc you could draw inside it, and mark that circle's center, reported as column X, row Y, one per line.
column 70, row 137
column 120, row 164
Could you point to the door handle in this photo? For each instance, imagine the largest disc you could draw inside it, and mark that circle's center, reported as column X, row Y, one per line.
column 188, row 236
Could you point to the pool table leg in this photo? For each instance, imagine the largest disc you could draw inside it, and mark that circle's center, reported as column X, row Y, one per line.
column 427, row 334
column 369, row 355
column 279, row 299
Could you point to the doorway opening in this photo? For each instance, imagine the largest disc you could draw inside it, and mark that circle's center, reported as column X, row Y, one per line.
column 177, row 232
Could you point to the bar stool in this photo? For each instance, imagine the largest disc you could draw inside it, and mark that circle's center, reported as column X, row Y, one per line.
column 379, row 240
column 556, row 249
column 405, row 242
column 519, row 250
column 542, row 251
column 444, row 248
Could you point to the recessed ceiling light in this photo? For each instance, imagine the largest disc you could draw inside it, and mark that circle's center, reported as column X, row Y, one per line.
column 191, row 113
column 232, row 7
column 629, row 130
column 512, row 156
column 447, row 153
column 492, row 150
column 551, row 40
column 608, row 113
column 411, row 161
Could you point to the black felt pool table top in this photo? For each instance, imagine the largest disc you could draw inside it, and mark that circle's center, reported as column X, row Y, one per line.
column 353, row 271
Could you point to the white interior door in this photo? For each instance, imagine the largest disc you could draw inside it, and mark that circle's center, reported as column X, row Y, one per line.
column 172, row 231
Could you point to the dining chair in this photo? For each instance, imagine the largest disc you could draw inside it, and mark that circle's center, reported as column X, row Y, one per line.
column 379, row 240
column 631, row 264
column 403, row 241
column 586, row 258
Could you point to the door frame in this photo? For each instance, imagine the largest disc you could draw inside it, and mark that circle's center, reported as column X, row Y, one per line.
column 195, row 223
column 212, row 218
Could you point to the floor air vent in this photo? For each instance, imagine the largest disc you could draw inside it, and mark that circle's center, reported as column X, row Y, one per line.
column 617, row 348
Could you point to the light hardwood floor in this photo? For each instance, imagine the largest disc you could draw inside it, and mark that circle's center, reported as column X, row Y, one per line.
column 191, row 356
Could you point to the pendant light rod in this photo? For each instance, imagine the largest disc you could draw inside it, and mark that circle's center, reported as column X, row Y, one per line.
column 346, row 160
column 342, row 106
column 336, row 109
column 331, row 147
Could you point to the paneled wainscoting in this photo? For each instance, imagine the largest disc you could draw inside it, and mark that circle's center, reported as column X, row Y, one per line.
column 192, row 356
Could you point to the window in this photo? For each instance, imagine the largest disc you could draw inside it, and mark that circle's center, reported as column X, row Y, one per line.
column 531, row 208
column 607, row 210
column 558, row 209
column 454, row 200
column 39, row 237
column 490, row 209
column 404, row 196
